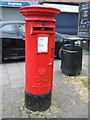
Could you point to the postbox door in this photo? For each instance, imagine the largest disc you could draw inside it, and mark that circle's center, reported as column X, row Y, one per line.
column 51, row 59
column 41, row 55
column 45, row 54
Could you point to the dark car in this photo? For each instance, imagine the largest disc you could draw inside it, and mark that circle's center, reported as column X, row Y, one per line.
column 59, row 42
column 13, row 44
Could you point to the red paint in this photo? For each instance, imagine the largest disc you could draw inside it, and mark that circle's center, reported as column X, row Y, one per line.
column 40, row 25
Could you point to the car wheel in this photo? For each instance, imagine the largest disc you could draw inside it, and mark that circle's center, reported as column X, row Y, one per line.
column 59, row 53
column 2, row 60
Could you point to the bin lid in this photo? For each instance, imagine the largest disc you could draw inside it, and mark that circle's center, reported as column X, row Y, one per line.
column 75, row 38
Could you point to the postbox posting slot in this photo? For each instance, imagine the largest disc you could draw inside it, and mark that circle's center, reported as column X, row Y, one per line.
column 36, row 30
column 43, row 28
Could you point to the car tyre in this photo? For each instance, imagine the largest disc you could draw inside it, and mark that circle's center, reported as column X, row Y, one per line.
column 59, row 53
column 2, row 60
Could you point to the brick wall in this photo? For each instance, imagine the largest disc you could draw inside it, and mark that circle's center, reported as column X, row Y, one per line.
column 73, row 1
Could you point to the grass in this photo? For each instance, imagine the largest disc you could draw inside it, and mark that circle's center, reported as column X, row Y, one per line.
column 85, row 50
column 86, row 82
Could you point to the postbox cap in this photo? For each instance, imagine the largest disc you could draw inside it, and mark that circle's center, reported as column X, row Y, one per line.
column 39, row 10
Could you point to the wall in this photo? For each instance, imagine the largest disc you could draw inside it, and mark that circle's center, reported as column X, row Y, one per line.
column 73, row 1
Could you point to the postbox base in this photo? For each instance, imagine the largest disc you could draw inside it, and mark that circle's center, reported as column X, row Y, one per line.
column 38, row 102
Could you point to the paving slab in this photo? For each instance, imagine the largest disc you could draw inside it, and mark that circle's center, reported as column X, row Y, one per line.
column 67, row 98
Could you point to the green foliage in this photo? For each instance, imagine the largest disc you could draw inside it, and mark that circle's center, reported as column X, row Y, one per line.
column 86, row 82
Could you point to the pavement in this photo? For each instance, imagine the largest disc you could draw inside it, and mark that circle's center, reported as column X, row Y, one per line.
column 69, row 96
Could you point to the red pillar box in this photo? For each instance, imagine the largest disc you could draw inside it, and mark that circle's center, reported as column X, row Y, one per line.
column 39, row 50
